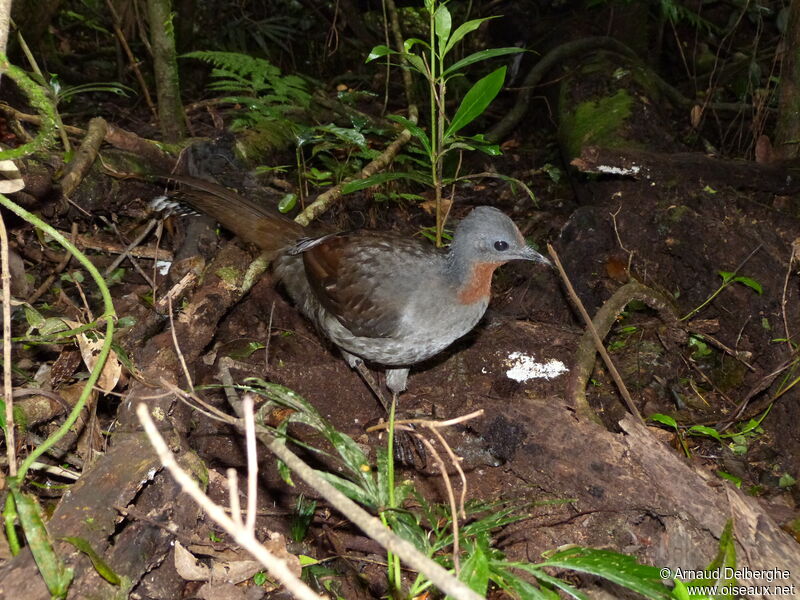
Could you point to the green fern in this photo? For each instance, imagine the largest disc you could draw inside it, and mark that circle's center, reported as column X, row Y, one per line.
column 255, row 83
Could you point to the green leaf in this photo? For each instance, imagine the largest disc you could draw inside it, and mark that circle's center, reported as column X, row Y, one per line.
column 116, row 276
column 417, row 64
column 409, row 43
column 726, row 554
column 476, row 142
column 622, row 569
column 680, row 591
column 749, row 282
column 285, row 472
column 74, row 276
column 703, row 430
column 244, row 349
column 560, row 584
column 463, row 30
column 101, row 566
column 349, row 489
column 442, row 24
column 476, row 100
column 377, row 179
column 664, row 420
column 737, row 481
column 699, row 347
column 553, row 172
column 287, row 203
column 33, row 317
column 56, row 576
column 260, row 578
column 479, row 56
column 475, row 570
column 415, row 130
column 521, row 588
column 378, row 52
column 726, row 275
column 754, row 423
column 724, row 560
column 346, row 134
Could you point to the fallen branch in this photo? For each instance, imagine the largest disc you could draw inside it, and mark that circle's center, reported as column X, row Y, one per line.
column 597, row 329
column 324, row 200
column 85, row 156
column 779, row 177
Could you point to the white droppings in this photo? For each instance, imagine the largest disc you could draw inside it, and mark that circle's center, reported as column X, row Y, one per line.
column 524, row 367
column 163, row 266
column 634, row 170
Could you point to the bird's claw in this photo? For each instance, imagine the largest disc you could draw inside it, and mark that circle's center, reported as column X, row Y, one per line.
column 406, row 445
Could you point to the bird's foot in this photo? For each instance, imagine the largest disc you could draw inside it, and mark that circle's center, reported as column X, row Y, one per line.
column 407, row 446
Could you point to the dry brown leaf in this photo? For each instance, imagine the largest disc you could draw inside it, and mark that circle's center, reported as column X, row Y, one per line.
column 220, row 591
column 277, row 545
column 90, row 348
column 227, row 571
column 188, row 567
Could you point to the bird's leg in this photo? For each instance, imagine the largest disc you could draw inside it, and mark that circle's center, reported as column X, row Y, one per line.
column 366, row 375
column 358, row 364
column 404, row 442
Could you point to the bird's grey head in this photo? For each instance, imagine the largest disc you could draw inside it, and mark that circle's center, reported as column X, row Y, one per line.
column 488, row 235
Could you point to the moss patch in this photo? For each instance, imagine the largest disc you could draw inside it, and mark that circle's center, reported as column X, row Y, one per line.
column 598, row 123
column 229, row 276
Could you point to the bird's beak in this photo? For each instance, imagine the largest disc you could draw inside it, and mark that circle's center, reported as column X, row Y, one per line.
column 529, row 253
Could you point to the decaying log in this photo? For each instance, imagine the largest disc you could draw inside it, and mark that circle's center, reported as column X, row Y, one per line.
column 780, row 178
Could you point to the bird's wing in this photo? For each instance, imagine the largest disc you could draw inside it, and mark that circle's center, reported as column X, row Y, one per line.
column 364, row 280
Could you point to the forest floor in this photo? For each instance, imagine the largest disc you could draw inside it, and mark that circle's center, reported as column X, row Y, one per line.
column 530, row 447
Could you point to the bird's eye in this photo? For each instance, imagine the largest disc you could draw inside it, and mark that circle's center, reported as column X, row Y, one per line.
column 501, row 245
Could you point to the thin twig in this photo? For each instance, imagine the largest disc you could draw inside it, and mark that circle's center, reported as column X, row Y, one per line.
column 277, row 567
column 178, row 347
column 451, row 500
column 252, row 463
column 457, row 465
column 269, row 337
column 156, row 265
column 176, row 290
column 212, row 412
column 48, row 283
column 795, row 256
column 630, row 253
column 233, row 497
column 598, row 343
column 86, row 307
column 134, row 64
column 126, row 252
column 8, row 393
column 429, row 422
